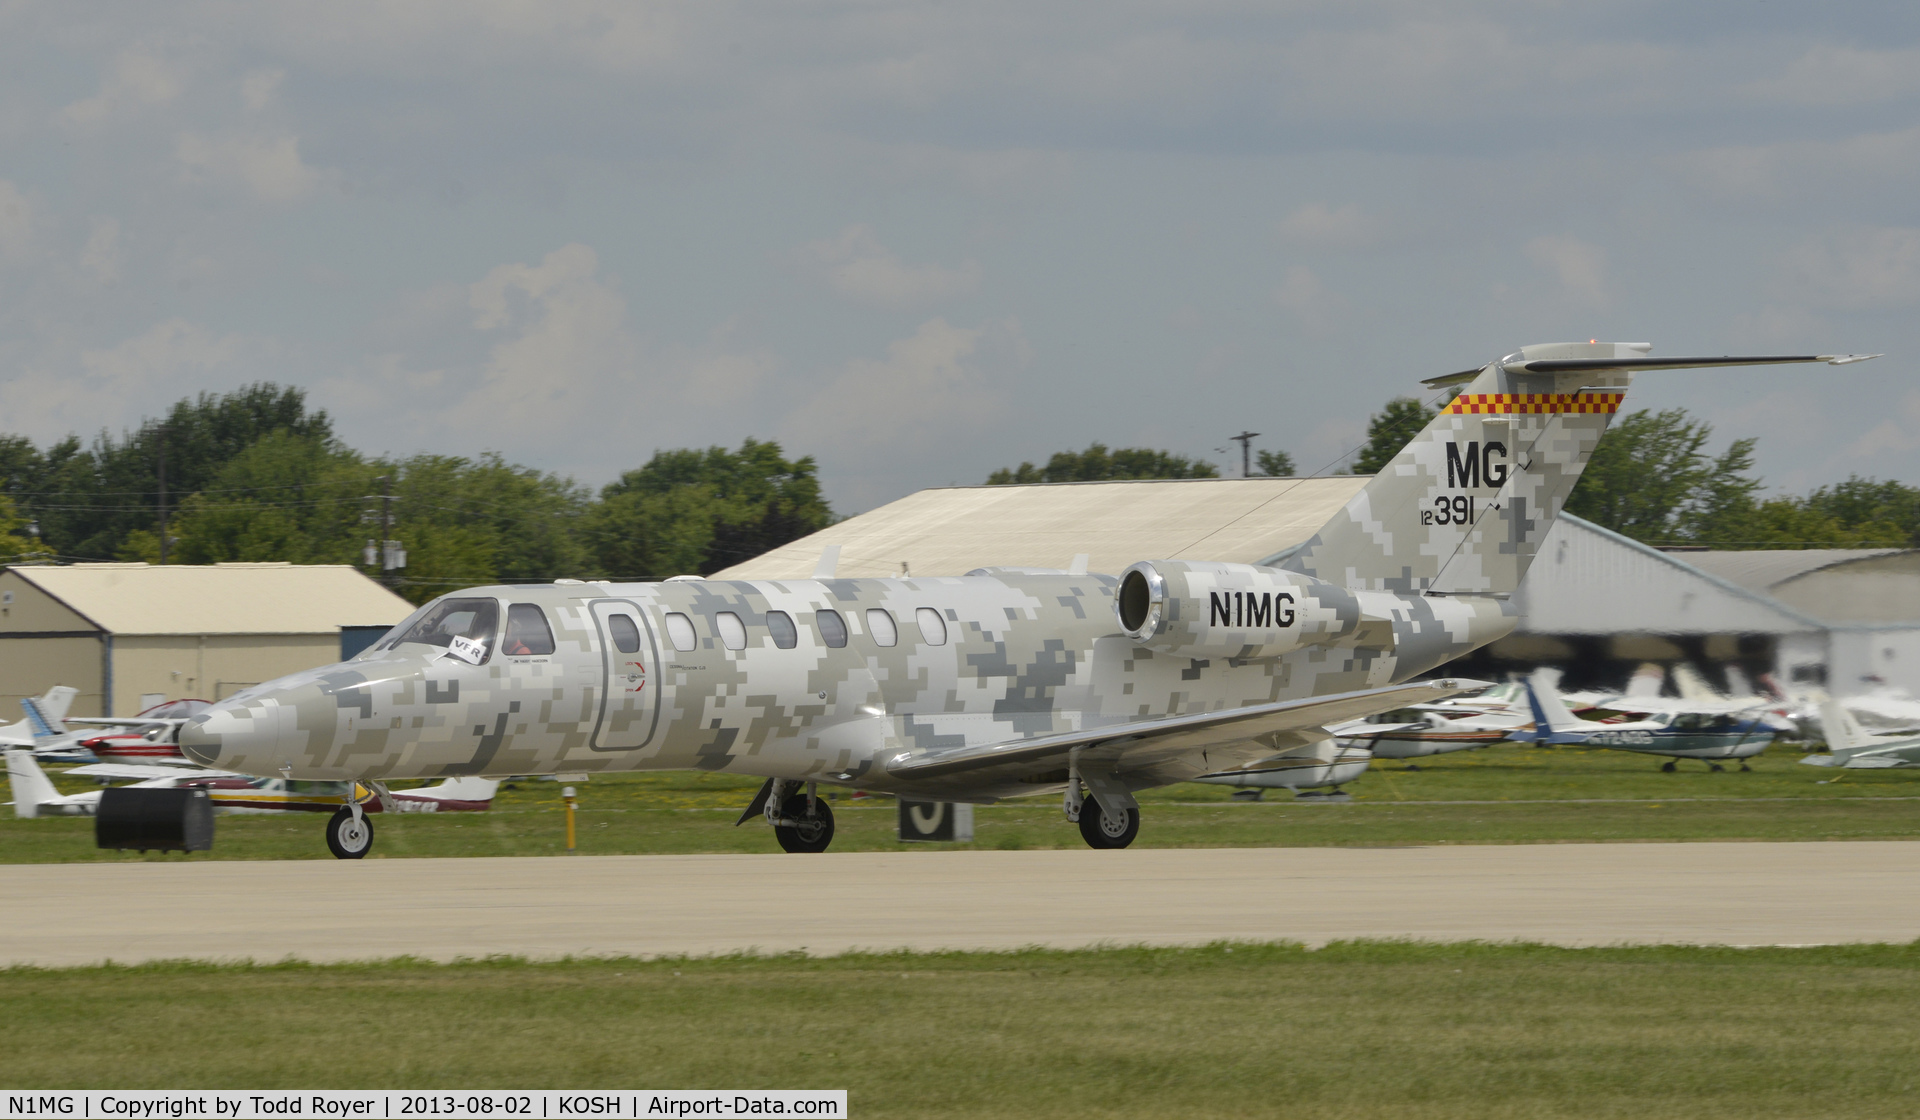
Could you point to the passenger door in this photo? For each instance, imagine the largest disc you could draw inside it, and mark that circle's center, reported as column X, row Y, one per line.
column 630, row 660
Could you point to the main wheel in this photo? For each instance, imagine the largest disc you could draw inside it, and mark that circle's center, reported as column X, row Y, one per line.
column 348, row 837
column 811, row 831
column 1669, row 767
column 1102, row 831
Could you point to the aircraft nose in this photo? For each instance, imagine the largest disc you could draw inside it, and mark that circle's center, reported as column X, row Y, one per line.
column 257, row 735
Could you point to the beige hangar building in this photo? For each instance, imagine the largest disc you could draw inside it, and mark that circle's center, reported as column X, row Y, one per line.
column 130, row 635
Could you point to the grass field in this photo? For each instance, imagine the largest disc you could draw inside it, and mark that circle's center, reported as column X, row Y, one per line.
column 1352, row 1030
column 1506, row 794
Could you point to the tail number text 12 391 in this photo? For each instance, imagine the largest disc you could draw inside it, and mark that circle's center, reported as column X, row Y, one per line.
column 1449, row 510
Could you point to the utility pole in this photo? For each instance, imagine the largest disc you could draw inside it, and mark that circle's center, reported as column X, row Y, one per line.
column 1245, row 440
column 162, row 432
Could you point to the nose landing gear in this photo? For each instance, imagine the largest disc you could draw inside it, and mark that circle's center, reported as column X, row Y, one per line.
column 349, row 833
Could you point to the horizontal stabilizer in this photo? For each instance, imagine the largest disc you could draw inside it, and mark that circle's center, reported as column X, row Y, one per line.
column 1573, row 358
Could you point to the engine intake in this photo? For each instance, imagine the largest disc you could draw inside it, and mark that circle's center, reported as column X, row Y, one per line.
column 1237, row 611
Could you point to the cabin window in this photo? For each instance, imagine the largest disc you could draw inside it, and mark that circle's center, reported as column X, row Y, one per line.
column 680, row 631
column 528, row 634
column 780, row 625
column 833, row 628
column 732, row 631
column 932, row 627
column 626, row 635
column 474, row 619
column 880, row 625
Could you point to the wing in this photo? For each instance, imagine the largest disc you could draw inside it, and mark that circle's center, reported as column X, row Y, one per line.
column 1174, row 748
column 115, row 770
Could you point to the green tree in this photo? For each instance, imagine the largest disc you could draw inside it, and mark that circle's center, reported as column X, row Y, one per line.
column 89, row 501
column 692, row 511
column 1097, row 464
column 1891, row 510
column 1390, row 430
column 1275, row 464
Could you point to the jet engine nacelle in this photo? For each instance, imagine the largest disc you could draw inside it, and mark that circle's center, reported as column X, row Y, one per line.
column 1238, row 611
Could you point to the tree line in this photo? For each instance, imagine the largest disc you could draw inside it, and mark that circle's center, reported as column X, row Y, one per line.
column 257, row 475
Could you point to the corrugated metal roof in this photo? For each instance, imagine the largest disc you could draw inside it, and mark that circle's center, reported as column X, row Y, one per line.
column 951, row 530
column 1590, row 580
column 1764, row 568
column 220, row 598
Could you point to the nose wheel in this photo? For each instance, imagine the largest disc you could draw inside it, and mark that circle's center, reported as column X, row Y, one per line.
column 349, row 833
column 1102, row 830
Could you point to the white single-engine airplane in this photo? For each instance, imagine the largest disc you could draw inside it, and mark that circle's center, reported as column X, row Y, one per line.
column 1000, row 683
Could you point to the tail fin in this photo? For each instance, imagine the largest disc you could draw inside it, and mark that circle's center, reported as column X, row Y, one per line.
column 1647, row 681
column 31, row 787
column 1464, row 507
column 1843, row 732
column 1550, row 713
column 47, row 715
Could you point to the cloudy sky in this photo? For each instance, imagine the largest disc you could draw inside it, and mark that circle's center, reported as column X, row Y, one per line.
column 920, row 241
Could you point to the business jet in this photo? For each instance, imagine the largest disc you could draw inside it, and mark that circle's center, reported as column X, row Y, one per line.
column 1000, row 683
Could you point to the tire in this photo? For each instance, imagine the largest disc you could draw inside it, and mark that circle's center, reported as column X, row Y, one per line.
column 1096, row 828
column 346, row 840
column 814, row 832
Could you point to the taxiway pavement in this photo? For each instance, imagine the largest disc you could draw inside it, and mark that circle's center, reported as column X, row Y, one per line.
column 1565, row 894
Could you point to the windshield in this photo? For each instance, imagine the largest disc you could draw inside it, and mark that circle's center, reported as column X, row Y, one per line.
column 439, row 624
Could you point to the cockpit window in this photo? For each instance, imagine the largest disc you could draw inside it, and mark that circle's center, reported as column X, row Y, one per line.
column 528, row 634
column 473, row 619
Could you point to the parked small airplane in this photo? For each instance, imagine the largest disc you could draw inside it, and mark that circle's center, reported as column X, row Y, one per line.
column 1853, row 748
column 1001, row 683
column 1711, row 737
column 1327, row 764
column 34, row 794
column 1434, row 732
column 44, row 726
column 145, row 738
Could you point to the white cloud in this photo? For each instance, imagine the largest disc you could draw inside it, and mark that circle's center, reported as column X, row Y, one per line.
column 933, row 388
column 857, row 266
column 1580, row 267
column 570, row 355
column 258, row 88
column 1892, row 436
column 1857, row 269
column 104, row 388
column 101, row 257
column 1308, row 299
column 137, row 78
column 1341, row 227
column 267, row 166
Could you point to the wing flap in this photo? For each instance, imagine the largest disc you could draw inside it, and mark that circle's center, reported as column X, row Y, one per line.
column 1128, row 742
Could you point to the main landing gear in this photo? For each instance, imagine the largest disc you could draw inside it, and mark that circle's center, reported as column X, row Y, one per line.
column 1106, row 812
column 801, row 820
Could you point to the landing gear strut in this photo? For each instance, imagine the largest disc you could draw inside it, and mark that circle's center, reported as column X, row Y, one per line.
column 349, row 833
column 803, row 822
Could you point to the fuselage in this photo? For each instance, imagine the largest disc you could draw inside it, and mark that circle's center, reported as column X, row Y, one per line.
column 819, row 680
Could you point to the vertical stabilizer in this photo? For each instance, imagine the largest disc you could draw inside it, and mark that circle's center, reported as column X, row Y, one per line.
column 1550, row 713
column 31, row 786
column 1466, row 504
column 1843, row 732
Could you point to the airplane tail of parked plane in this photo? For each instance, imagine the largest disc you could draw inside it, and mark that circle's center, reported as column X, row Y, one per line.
column 31, row 786
column 1843, row 732
column 47, row 714
column 1553, row 721
column 1464, row 507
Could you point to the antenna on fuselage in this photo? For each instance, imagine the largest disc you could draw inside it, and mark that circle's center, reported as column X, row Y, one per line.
column 829, row 562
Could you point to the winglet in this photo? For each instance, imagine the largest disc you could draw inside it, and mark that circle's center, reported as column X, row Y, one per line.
column 1847, row 359
column 829, row 562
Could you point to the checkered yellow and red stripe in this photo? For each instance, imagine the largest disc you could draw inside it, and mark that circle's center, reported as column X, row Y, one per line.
column 1533, row 403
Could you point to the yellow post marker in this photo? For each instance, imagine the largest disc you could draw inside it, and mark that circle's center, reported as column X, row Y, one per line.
column 567, row 795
